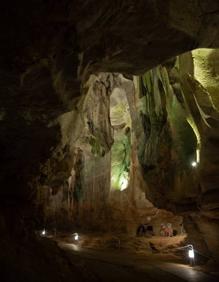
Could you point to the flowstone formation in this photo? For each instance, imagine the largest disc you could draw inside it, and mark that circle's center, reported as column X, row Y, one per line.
column 77, row 162
column 168, row 143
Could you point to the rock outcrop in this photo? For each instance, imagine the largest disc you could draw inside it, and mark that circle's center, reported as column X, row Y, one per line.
column 179, row 110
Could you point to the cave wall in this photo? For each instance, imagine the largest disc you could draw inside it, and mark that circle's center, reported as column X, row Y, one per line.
column 172, row 117
column 86, row 135
column 167, row 143
column 98, row 153
column 49, row 47
column 179, row 110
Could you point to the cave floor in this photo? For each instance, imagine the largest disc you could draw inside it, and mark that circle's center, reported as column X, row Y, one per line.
column 108, row 264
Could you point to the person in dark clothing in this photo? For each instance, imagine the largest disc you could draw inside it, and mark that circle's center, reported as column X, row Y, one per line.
column 141, row 230
column 144, row 229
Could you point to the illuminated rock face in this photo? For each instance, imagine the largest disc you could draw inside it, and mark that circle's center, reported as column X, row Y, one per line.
column 167, row 122
column 87, row 172
column 179, row 109
column 121, row 149
column 167, row 144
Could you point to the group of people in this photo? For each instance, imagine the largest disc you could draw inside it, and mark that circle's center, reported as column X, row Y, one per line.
column 166, row 230
column 145, row 229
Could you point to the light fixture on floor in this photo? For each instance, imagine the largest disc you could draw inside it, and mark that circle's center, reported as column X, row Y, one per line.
column 43, row 232
column 76, row 236
column 191, row 254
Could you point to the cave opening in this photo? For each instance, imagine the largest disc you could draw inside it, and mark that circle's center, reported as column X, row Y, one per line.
column 121, row 149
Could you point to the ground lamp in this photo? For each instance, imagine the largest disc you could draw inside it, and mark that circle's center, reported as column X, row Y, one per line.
column 43, row 232
column 191, row 254
column 76, row 236
column 194, row 164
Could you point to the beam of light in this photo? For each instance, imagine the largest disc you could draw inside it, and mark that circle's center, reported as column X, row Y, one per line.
column 194, row 164
column 73, row 247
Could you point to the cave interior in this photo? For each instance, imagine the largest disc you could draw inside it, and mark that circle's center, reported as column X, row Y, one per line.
column 109, row 120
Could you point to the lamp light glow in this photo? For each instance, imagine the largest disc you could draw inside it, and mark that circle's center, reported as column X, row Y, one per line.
column 76, row 236
column 191, row 254
column 194, row 164
column 43, row 232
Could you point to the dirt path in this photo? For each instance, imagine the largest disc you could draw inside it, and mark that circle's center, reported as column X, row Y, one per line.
column 119, row 266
